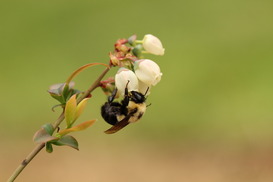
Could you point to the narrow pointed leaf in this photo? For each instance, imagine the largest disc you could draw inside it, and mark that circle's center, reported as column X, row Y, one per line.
column 66, row 91
column 41, row 136
column 78, row 127
column 68, row 141
column 80, row 107
column 70, row 110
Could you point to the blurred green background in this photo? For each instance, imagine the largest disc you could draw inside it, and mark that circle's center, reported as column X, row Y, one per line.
column 211, row 115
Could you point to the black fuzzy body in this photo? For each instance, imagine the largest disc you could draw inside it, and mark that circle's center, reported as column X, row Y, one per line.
column 130, row 109
column 110, row 111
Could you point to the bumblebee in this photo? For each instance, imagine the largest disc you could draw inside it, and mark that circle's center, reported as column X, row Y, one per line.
column 120, row 114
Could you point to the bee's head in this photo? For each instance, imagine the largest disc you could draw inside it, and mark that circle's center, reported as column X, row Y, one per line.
column 137, row 97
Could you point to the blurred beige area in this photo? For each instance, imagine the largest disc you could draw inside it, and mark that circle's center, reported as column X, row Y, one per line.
column 145, row 161
column 211, row 115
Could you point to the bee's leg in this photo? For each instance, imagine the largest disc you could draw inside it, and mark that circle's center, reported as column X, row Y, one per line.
column 149, row 105
column 112, row 97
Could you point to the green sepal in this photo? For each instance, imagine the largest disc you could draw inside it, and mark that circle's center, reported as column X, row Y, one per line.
column 131, row 40
column 49, row 147
column 67, row 140
column 137, row 51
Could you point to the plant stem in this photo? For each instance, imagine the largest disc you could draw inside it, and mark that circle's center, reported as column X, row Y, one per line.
column 94, row 85
column 139, row 41
column 26, row 161
column 39, row 147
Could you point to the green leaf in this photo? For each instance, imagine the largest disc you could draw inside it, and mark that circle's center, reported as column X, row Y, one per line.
column 49, row 147
column 57, row 97
column 67, row 140
column 70, row 110
column 56, row 92
column 78, row 127
column 42, row 136
column 67, row 92
column 48, row 128
column 131, row 40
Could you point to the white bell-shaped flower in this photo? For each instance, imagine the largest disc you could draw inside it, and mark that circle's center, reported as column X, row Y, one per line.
column 153, row 45
column 147, row 71
column 121, row 80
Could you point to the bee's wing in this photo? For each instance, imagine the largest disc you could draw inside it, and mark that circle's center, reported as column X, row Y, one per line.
column 124, row 122
column 118, row 126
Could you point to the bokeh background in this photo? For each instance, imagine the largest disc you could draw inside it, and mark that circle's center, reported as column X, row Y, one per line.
column 211, row 115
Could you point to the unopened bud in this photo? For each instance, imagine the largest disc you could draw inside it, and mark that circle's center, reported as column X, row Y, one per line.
column 153, row 45
column 114, row 60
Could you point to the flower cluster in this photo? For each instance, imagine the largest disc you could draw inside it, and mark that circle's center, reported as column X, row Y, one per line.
column 141, row 73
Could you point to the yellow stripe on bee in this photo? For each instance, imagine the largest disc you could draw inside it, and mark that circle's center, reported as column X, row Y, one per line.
column 141, row 108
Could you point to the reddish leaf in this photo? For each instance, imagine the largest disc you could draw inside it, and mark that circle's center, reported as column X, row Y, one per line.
column 41, row 136
column 79, row 127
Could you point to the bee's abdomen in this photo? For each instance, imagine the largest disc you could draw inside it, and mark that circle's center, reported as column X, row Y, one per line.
column 109, row 112
column 138, row 109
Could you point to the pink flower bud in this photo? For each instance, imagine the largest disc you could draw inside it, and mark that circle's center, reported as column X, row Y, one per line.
column 147, row 71
column 153, row 45
column 121, row 79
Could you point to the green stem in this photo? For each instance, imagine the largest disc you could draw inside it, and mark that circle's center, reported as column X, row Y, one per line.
column 39, row 147
column 145, row 52
column 94, row 85
column 138, row 41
